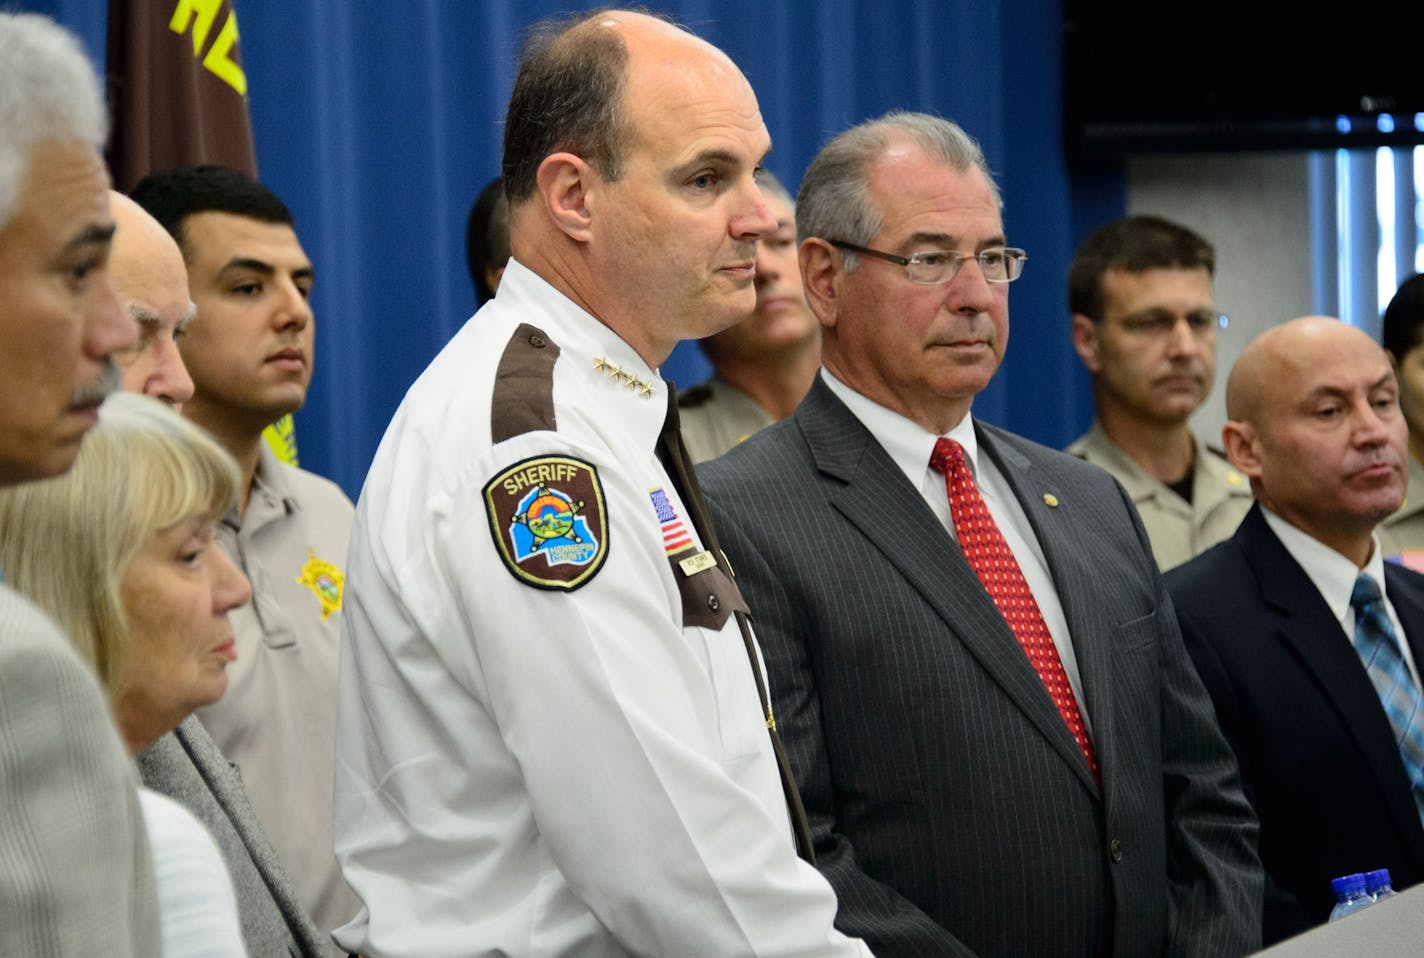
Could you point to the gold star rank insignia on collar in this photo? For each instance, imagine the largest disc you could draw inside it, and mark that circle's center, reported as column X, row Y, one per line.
column 618, row 374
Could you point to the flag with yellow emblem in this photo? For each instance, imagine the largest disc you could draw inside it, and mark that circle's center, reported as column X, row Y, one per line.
column 178, row 96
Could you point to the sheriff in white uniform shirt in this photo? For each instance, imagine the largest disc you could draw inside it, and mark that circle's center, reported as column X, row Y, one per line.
column 536, row 754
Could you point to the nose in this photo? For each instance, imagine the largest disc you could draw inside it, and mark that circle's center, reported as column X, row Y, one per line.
column 753, row 222
column 1182, row 341
column 968, row 291
column 171, row 381
column 767, row 269
column 231, row 588
column 1372, row 424
column 108, row 327
column 295, row 311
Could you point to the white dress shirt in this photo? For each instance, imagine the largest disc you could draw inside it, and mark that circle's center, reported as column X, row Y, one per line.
column 197, row 909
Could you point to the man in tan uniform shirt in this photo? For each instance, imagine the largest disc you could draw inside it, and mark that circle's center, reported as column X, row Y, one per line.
column 76, row 869
column 1144, row 325
column 250, row 355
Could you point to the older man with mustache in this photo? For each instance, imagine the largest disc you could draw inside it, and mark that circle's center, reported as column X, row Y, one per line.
column 1308, row 641
column 76, row 871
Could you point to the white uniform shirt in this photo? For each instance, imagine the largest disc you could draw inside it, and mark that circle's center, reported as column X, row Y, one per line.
column 539, row 771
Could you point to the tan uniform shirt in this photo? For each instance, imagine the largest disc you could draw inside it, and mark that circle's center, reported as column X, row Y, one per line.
column 277, row 722
column 1221, row 497
column 716, row 416
column 1403, row 532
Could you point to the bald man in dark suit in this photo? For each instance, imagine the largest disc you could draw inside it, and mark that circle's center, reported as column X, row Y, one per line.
column 1270, row 617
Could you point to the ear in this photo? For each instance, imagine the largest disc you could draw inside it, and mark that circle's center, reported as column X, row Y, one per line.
column 820, row 275
column 1238, row 438
column 564, row 182
column 1085, row 342
column 493, row 274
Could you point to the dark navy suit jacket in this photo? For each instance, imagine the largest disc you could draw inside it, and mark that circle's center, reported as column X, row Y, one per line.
column 1317, row 753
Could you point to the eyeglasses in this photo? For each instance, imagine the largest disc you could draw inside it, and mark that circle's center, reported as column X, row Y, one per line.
column 1160, row 323
column 999, row 264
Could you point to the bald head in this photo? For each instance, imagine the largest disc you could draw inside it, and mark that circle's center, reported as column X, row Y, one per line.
column 570, row 91
column 1315, row 423
column 658, row 39
column 1283, row 349
column 630, row 156
column 152, row 284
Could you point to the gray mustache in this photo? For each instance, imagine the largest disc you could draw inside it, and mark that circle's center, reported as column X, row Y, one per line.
column 93, row 393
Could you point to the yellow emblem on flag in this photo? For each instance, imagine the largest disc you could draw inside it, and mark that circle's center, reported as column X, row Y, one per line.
column 324, row 579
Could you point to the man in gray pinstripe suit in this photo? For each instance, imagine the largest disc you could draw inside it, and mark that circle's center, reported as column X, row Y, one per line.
column 952, row 808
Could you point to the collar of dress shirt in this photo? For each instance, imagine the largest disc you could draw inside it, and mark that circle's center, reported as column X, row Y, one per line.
column 1332, row 574
column 908, row 443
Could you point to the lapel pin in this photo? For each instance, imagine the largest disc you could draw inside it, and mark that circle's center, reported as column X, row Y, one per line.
column 1050, row 500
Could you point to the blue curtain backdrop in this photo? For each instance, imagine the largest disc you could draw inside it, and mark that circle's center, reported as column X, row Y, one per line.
column 378, row 121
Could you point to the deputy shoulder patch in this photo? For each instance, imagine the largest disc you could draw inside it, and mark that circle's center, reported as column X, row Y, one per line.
column 324, row 579
column 549, row 522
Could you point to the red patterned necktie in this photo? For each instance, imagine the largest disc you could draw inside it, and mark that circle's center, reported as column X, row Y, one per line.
column 989, row 556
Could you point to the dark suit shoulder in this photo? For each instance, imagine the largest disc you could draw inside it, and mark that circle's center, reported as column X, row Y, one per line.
column 774, row 458
column 1044, row 457
column 1208, row 572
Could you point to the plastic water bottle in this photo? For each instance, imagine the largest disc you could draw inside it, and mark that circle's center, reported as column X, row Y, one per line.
column 1377, row 885
column 1350, row 895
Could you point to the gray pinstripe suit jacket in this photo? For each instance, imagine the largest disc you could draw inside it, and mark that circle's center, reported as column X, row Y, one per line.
column 189, row 768
column 76, row 874
column 951, row 808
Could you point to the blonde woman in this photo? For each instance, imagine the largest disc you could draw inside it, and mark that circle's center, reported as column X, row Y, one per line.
column 120, row 551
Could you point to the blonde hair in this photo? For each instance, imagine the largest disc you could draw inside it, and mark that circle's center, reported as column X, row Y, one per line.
column 66, row 542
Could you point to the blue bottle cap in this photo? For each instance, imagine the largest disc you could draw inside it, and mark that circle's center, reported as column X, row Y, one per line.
column 1376, row 879
column 1346, row 884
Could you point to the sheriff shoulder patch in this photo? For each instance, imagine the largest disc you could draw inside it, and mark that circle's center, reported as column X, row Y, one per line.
column 549, row 522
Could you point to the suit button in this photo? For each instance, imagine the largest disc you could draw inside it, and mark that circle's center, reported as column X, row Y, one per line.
column 538, row 342
column 1115, row 850
column 712, row 603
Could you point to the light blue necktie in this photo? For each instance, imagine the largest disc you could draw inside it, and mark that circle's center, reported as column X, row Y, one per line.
column 1378, row 649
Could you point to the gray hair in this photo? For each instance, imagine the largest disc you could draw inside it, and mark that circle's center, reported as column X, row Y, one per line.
column 48, row 92
column 834, row 201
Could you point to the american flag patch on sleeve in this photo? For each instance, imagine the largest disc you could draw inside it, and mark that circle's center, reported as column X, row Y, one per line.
column 675, row 535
